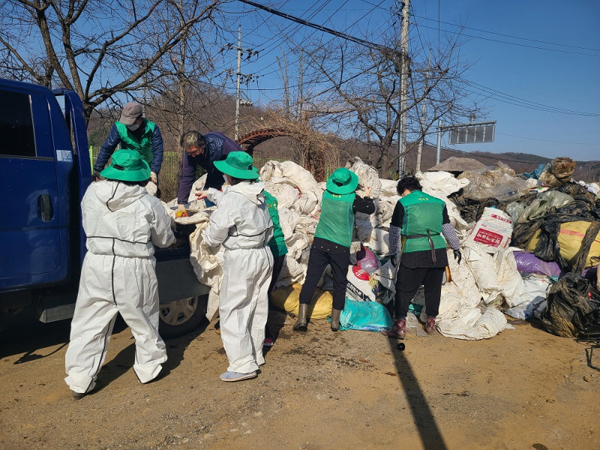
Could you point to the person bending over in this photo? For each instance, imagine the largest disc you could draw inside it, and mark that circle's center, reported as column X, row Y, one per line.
column 331, row 244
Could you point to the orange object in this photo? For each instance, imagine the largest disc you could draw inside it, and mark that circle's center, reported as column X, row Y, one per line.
column 181, row 214
column 448, row 275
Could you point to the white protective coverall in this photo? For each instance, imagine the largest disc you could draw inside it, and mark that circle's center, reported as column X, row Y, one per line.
column 242, row 224
column 118, row 275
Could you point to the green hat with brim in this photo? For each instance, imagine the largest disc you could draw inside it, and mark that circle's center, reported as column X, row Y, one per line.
column 342, row 181
column 127, row 165
column 238, row 165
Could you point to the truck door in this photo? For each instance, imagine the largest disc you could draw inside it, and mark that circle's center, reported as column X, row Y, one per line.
column 31, row 241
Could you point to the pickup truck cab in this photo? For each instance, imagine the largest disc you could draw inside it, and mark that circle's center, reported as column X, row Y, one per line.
column 44, row 172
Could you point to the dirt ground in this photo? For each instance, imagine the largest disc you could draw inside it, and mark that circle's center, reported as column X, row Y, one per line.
column 522, row 389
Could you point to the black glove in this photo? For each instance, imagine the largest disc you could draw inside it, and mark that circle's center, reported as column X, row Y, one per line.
column 457, row 256
column 95, row 175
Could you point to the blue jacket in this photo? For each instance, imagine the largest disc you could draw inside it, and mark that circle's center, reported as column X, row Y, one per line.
column 114, row 139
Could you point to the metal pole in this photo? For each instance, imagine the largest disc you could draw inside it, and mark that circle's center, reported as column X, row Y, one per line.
column 403, row 88
column 239, row 75
column 439, row 142
column 144, row 64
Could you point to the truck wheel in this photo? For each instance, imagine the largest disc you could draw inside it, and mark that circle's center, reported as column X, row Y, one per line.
column 181, row 317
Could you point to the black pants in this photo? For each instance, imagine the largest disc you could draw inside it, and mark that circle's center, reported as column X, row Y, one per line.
column 408, row 283
column 277, row 266
column 317, row 263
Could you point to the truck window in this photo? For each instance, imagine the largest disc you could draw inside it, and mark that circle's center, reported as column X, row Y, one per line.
column 16, row 125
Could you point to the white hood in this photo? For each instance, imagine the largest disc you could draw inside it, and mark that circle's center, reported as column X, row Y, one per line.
column 117, row 195
column 241, row 220
column 252, row 191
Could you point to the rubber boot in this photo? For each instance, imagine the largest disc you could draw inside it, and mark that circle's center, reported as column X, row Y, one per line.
column 302, row 321
column 335, row 319
column 430, row 325
column 398, row 330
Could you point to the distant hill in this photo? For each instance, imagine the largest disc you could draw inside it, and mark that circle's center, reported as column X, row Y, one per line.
column 520, row 162
column 282, row 148
column 584, row 170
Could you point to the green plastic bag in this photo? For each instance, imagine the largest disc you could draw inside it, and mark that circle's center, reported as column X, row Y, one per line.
column 365, row 316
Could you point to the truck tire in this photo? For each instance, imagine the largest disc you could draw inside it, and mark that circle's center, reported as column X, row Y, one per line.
column 180, row 317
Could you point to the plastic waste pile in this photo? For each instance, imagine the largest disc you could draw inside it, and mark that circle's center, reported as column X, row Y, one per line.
column 555, row 242
column 517, row 238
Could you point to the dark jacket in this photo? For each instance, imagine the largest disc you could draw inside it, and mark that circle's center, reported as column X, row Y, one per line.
column 217, row 147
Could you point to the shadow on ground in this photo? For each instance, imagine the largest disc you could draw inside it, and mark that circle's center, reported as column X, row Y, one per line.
column 124, row 360
column 430, row 434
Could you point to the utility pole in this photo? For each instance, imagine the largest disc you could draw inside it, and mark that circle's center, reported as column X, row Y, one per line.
column 283, row 67
column 239, row 76
column 300, row 92
column 423, row 116
column 237, row 84
column 144, row 65
column 403, row 86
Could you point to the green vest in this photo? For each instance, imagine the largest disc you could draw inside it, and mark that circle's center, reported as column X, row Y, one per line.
column 336, row 223
column 277, row 242
column 130, row 142
column 422, row 220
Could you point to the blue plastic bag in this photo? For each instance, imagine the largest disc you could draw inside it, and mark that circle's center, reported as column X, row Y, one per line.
column 365, row 316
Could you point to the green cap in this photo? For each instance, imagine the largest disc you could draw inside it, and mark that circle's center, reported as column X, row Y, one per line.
column 238, row 165
column 127, row 165
column 342, row 181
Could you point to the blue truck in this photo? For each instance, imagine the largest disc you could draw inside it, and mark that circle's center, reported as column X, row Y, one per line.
column 44, row 172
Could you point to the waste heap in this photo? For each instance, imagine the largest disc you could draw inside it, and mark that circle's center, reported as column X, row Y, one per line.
column 518, row 237
column 554, row 240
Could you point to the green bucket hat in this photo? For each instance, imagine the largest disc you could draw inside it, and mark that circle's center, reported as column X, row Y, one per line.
column 127, row 165
column 238, row 165
column 342, row 181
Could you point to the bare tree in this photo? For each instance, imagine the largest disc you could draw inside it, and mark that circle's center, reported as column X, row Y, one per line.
column 312, row 150
column 181, row 92
column 300, row 120
column 96, row 48
column 362, row 87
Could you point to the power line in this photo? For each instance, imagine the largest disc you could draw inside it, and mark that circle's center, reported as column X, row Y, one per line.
column 331, row 31
column 510, row 36
column 310, row 17
column 512, row 43
column 317, row 27
column 271, row 46
column 517, row 101
column 324, row 44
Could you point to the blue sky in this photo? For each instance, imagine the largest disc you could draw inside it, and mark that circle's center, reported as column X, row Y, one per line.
column 545, row 54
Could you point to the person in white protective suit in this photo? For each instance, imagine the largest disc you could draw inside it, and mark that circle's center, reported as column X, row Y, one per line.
column 242, row 224
column 122, row 223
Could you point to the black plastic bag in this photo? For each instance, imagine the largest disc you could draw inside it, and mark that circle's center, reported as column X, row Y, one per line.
column 570, row 310
column 583, row 208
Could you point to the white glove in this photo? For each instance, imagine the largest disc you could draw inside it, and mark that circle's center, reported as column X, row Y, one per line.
column 152, row 188
column 153, row 177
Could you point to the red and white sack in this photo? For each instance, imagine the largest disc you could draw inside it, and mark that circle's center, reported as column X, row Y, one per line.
column 494, row 229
